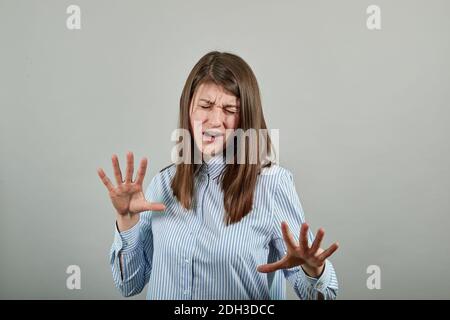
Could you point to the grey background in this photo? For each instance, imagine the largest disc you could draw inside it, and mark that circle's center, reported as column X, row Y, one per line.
column 363, row 118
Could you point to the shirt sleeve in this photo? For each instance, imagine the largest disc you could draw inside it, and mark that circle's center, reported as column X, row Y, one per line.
column 135, row 247
column 287, row 207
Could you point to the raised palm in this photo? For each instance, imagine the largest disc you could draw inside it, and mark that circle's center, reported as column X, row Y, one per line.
column 128, row 197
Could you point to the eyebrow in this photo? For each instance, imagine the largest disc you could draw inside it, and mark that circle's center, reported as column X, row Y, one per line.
column 225, row 105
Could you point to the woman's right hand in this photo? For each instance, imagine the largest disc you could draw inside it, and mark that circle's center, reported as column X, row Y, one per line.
column 128, row 198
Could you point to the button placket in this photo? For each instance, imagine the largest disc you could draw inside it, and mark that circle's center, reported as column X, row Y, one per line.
column 187, row 266
column 192, row 238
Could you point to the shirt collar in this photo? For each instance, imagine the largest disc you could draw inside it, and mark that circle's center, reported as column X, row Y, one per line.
column 214, row 166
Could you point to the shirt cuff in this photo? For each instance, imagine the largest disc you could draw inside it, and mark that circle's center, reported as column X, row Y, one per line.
column 320, row 284
column 128, row 240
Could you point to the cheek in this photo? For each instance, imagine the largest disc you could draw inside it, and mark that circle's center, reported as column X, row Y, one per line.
column 232, row 123
column 198, row 117
column 196, row 122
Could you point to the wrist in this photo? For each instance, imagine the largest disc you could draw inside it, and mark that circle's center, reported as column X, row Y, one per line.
column 126, row 222
column 314, row 272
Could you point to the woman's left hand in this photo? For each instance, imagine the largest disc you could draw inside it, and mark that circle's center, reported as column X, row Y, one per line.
column 312, row 259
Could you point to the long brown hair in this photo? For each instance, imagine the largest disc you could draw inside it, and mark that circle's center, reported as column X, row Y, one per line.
column 238, row 180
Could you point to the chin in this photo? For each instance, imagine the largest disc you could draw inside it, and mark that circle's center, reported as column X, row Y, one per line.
column 211, row 152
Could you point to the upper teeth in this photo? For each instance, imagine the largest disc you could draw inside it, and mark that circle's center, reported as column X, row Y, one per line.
column 212, row 133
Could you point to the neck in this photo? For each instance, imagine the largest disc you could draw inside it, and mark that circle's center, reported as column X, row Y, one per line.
column 207, row 157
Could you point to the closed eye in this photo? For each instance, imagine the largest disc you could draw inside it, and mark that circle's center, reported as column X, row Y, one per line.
column 231, row 110
column 227, row 110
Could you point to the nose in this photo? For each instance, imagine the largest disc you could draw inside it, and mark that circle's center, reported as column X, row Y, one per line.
column 216, row 117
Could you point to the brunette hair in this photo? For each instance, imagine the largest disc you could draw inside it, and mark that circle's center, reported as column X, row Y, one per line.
column 238, row 180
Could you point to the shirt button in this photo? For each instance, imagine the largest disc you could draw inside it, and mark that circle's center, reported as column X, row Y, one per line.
column 186, row 260
column 320, row 286
column 186, row 291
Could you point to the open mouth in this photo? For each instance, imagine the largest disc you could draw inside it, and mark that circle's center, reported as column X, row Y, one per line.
column 211, row 135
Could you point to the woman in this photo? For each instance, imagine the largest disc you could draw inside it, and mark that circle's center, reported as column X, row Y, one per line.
column 212, row 229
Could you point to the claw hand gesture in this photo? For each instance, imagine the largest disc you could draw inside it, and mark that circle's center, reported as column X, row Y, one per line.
column 312, row 259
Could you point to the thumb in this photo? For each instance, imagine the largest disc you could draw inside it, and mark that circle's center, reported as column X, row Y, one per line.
column 271, row 267
column 155, row 206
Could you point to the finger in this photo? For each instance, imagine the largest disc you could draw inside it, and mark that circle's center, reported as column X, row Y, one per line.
column 287, row 235
column 105, row 179
column 130, row 167
column 271, row 267
column 116, row 167
column 155, row 206
column 318, row 240
column 304, row 236
column 141, row 171
column 329, row 251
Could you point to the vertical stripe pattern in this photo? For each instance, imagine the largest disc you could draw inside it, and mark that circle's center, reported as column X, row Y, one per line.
column 192, row 254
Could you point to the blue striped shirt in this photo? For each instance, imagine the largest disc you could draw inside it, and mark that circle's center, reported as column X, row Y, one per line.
column 192, row 254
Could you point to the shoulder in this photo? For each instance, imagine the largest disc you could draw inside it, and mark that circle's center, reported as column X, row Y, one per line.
column 168, row 168
column 276, row 184
column 277, row 174
column 166, row 174
column 160, row 184
column 275, row 179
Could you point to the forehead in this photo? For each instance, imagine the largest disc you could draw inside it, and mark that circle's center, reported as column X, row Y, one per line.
column 213, row 92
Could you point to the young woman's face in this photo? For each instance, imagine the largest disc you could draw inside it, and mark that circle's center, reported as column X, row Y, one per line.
column 214, row 114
